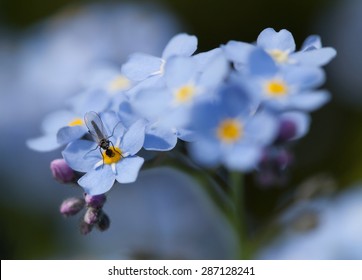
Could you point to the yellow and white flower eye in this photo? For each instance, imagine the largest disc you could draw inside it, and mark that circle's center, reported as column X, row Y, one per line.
column 230, row 131
column 185, row 94
column 276, row 88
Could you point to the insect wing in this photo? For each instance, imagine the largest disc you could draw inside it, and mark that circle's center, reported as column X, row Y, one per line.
column 95, row 126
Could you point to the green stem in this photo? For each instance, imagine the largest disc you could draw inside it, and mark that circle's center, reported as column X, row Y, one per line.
column 237, row 193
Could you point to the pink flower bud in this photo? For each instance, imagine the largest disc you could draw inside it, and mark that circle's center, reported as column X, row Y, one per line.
column 95, row 201
column 61, row 171
column 71, row 206
column 91, row 217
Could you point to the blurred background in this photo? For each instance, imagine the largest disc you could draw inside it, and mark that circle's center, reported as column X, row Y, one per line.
column 45, row 49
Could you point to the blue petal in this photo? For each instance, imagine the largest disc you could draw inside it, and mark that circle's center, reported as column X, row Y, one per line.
column 238, row 52
column 134, row 138
column 261, row 129
column 97, row 181
column 151, row 103
column 70, row 133
column 160, row 139
column 140, row 66
column 202, row 59
column 128, row 169
column 82, row 155
column 283, row 40
column 113, row 125
column 206, row 115
column 215, row 71
column 186, row 135
column 304, row 77
column 180, row 71
column 242, row 157
column 56, row 120
column 44, row 143
column 309, row 101
column 205, row 152
column 317, row 57
column 261, row 64
column 126, row 114
column 91, row 100
column 311, row 42
column 180, row 45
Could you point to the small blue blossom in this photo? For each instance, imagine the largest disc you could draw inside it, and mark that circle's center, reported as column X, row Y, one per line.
column 286, row 87
column 103, row 169
column 167, row 109
column 59, row 128
column 281, row 47
column 64, row 126
column 230, row 132
column 107, row 78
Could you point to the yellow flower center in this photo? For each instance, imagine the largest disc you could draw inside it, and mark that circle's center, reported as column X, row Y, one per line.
column 112, row 155
column 75, row 122
column 230, row 131
column 279, row 56
column 276, row 88
column 119, row 83
column 185, row 93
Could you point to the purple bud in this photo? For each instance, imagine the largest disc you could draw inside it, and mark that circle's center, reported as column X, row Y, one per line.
column 287, row 130
column 71, row 206
column 61, row 171
column 284, row 159
column 273, row 167
column 95, row 201
column 104, row 222
column 85, row 228
column 91, row 217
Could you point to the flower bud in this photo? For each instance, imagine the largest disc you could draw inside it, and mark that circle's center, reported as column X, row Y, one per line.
column 273, row 167
column 91, row 216
column 103, row 222
column 61, row 171
column 85, row 228
column 71, row 206
column 95, row 201
column 287, row 130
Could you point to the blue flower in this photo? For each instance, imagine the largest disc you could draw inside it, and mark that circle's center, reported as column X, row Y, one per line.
column 230, row 132
column 281, row 47
column 104, row 167
column 286, row 87
column 59, row 128
column 107, row 78
column 142, row 66
column 64, row 126
column 167, row 108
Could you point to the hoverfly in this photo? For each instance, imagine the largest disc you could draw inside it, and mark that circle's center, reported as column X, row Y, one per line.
column 96, row 128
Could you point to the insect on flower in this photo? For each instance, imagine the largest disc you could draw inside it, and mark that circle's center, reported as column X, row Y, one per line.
column 96, row 128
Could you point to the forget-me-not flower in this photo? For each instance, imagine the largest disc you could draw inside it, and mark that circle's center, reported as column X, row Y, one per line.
column 167, row 109
column 282, row 48
column 230, row 132
column 64, row 126
column 59, row 128
column 103, row 167
column 286, row 87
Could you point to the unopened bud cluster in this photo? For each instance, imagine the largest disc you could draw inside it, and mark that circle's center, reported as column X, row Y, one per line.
column 94, row 214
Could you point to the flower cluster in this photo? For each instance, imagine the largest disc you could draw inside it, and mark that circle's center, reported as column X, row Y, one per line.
column 235, row 105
